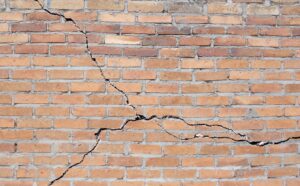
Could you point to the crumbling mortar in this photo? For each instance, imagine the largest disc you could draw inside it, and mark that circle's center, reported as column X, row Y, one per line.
column 139, row 117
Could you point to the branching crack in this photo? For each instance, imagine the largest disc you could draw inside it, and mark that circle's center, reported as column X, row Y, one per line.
column 138, row 117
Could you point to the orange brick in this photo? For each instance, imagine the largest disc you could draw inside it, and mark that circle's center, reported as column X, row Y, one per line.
column 82, row 16
column 145, row 149
column 137, row 29
column 67, row 50
column 270, row 42
column 139, row 74
column 31, row 98
column 191, row 19
column 106, row 5
column 29, row 74
column 223, row 8
column 5, row 99
column 216, row 174
column 248, row 100
column 7, row 123
column 52, row 111
column 197, row 162
column 67, row 4
column 232, row 63
column 211, row 76
column 38, row 16
column 154, row 19
column 179, row 150
column 285, row 171
column 137, row 173
column 25, row 4
column 126, row 136
column 15, row 111
column 120, row 111
column 160, row 63
column 197, row 41
column 162, row 162
column 266, row 88
column 216, row 150
column 87, row 87
column 49, row 61
column 34, row 147
column 255, row 9
column 140, row 6
column 281, row 100
column 197, row 88
column 226, row 20
column 249, row 150
column 176, row 52
column 88, row 111
column 281, row 124
column 261, row 20
column 233, row 88
column 34, row 123
column 212, row 100
column 105, row 99
column 47, row 38
column 232, row 161
column 178, row 76
column 28, row 27
column 232, row 112
column 107, row 173
column 127, row 18
column 229, row 41
column 68, row 99
column 292, row 111
column 31, row 49
column 242, row 75
column 292, row 88
column 51, row 87
column 198, row 112
column 126, row 87
column 124, row 161
column 179, row 174
column 13, row 38
column 11, row 16
column 6, row 172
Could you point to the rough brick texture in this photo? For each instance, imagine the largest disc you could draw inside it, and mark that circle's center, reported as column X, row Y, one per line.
column 233, row 64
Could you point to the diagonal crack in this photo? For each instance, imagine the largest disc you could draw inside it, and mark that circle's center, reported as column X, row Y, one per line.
column 139, row 117
column 195, row 136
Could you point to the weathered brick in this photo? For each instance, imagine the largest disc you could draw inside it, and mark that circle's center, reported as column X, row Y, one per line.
column 223, row 8
column 141, row 6
column 67, row 4
column 106, row 4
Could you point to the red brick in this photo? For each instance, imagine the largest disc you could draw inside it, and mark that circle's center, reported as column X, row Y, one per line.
column 159, row 41
column 28, row 27
column 196, row 41
column 172, row 30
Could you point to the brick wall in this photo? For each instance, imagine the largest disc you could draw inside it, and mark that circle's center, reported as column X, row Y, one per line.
column 150, row 93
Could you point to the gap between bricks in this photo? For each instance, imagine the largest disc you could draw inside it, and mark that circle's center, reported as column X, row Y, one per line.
column 139, row 117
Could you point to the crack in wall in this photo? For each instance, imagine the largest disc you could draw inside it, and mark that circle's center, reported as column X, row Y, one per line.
column 139, row 117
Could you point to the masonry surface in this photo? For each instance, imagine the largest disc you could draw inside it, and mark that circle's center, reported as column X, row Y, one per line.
column 150, row 93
